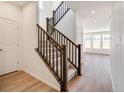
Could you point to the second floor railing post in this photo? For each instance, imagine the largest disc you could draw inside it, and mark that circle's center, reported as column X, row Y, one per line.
column 64, row 83
column 47, row 26
column 53, row 18
column 38, row 38
column 79, row 59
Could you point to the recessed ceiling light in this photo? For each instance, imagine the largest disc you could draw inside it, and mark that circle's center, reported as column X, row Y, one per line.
column 92, row 12
column 94, row 21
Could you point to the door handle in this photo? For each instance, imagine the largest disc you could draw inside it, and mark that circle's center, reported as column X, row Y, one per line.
column 1, row 49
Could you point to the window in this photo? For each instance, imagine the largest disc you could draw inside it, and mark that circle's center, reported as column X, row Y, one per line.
column 106, row 41
column 87, row 41
column 41, row 5
column 97, row 40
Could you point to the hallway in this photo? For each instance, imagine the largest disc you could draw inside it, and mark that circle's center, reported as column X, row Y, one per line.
column 95, row 75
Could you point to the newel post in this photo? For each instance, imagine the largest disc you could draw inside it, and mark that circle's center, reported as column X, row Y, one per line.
column 79, row 59
column 65, row 74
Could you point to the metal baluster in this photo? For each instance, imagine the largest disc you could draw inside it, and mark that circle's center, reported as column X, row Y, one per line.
column 64, row 40
column 59, row 38
column 69, row 50
column 61, row 65
column 43, row 43
column 72, row 53
column 38, row 39
column 46, row 46
column 76, row 56
column 49, row 52
column 53, row 56
column 56, row 60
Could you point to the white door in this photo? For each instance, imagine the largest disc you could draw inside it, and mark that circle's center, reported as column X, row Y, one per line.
column 8, row 46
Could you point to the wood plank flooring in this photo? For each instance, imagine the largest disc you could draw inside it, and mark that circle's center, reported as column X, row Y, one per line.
column 95, row 77
column 21, row 81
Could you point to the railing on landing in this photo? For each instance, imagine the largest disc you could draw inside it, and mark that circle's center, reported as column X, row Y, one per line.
column 59, row 13
column 73, row 50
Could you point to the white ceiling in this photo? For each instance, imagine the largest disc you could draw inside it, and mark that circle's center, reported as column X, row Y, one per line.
column 19, row 3
column 100, row 20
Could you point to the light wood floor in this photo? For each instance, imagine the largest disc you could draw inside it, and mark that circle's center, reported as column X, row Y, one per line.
column 95, row 77
column 21, row 81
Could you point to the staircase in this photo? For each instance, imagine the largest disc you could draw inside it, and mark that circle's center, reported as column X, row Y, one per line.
column 61, row 55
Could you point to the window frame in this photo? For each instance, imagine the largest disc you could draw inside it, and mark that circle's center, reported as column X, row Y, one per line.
column 101, row 39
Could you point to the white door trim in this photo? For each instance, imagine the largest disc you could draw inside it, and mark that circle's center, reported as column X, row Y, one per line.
column 18, row 39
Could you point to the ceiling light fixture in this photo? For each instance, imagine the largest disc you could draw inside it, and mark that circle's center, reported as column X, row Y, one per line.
column 92, row 12
column 94, row 21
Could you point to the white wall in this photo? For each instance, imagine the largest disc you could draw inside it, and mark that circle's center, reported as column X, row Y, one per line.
column 12, row 13
column 79, row 29
column 79, row 32
column 32, row 63
column 44, row 13
column 55, row 4
column 118, row 46
column 67, row 25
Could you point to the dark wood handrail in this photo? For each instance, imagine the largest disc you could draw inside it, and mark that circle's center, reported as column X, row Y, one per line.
column 60, row 12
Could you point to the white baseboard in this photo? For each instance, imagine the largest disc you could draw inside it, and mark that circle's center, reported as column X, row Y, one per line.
column 97, row 51
column 41, row 79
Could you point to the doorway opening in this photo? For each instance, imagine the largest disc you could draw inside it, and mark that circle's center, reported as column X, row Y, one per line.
column 96, row 47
